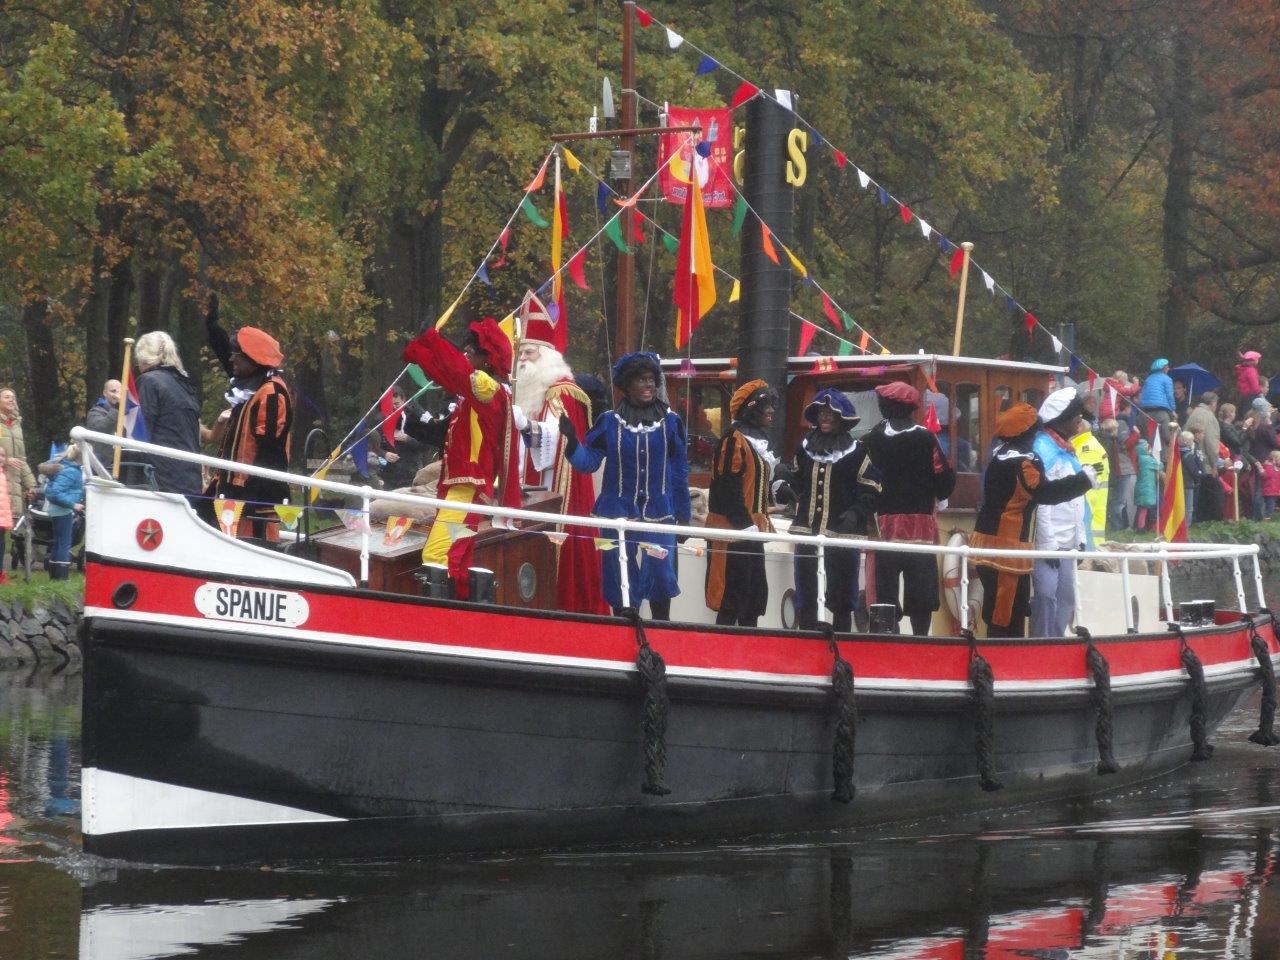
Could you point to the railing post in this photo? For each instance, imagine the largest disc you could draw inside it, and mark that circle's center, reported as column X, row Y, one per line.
column 1235, row 572
column 365, row 533
column 964, row 590
column 822, row 582
column 1128, row 594
column 624, row 574
column 1166, row 586
column 1257, row 582
column 1075, row 586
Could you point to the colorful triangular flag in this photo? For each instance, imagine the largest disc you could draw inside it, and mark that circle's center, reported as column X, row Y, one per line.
column 766, row 244
column 706, row 65
column 674, row 39
column 746, row 90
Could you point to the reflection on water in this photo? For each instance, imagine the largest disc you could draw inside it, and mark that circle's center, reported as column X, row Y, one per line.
column 1181, row 867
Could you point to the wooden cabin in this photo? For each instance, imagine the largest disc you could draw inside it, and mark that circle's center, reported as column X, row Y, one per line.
column 970, row 393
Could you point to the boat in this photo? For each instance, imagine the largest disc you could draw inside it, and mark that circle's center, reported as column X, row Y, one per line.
column 243, row 703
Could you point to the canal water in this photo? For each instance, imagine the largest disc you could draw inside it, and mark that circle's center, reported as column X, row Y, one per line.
column 1184, row 866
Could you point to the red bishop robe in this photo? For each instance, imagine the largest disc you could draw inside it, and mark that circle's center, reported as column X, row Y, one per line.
column 578, row 588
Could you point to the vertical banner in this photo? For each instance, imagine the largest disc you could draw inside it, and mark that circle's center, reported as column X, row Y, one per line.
column 679, row 157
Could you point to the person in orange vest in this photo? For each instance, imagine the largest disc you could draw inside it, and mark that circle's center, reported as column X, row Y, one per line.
column 255, row 427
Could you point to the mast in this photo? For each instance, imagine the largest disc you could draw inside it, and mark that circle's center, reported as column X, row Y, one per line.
column 624, row 331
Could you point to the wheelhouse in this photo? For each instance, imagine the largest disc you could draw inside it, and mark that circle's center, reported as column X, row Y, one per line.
column 966, row 395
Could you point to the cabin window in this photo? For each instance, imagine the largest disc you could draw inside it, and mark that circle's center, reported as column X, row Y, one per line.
column 1034, row 396
column 968, row 428
column 705, row 417
column 1004, row 398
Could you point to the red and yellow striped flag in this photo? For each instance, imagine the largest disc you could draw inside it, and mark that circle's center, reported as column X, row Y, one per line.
column 695, row 282
column 1173, row 507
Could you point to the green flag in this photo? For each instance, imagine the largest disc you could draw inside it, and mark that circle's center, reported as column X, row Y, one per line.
column 532, row 213
column 670, row 242
column 846, row 349
column 613, row 230
column 739, row 214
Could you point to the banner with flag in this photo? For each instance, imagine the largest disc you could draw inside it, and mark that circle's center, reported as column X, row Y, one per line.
column 694, row 289
column 135, row 424
column 1173, row 506
column 679, row 157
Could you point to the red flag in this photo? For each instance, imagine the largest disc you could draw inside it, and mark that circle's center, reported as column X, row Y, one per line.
column 644, row 16
column 931, row 420
column 503, row 239
column 576, row 269
column 829, row 309
column 637, row 226
column 1031, row 322
column 746, row 90
column 387, row 406
column 957, row 261
column 564, row 217
column 841, row 159
column 807, row 331
column 766, row 244
column 905, row 213
column 1093, row 376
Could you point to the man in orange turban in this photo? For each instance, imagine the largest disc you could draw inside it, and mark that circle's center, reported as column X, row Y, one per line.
column 739, row 499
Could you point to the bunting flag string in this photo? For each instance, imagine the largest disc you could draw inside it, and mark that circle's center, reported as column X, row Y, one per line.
column 288, row 514
column 613, row 230
column 830, row 311
column 957, row 261
column 739, row 215
column 574, row 163
column 577, row 271
column 746, row 91
column 532, row 213
column 504, row 238
column 706, row 65
column 807, row 330
column 735, row 293
column 766, row 244
column 795, row 262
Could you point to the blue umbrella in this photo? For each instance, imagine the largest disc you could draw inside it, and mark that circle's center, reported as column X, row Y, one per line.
column 1195, row 378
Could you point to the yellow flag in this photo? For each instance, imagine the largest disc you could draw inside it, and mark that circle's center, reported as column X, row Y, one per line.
column 288, row 514
column 604, row 543
column 795, row 262
column 314, row 492
column 574, row 163
column 557, row 240
column 508, row 325
column 884, row 351
column 736, row 293
column 444, row 317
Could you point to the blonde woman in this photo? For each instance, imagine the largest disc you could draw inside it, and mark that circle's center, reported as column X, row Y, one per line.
column 170, row 412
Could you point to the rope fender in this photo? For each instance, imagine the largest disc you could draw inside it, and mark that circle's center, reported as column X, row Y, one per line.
column 653, row 676
column 983, row 683
column 1265, row 734
column 845, row 713
column 1201, row 748
column 1100, row 672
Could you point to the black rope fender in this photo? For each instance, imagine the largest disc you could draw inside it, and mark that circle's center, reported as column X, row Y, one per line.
column 1100, row 672
column 1265, row 735
column 1202, row 749
column 983, row 683
column 653, row 676
column 845, row 714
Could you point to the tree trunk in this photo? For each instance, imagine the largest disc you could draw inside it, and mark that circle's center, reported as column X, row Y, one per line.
column 119, row 297
column 1176, row 302
column 150, row 292
column 99, row 358
column 47, row 417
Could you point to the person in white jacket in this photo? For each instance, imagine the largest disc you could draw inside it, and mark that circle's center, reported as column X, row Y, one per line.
column 1059, row 526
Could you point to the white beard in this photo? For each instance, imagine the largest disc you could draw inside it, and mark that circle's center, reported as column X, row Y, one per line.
column 534, row 377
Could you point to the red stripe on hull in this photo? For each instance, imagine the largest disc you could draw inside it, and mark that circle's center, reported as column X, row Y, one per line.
column 376, row 617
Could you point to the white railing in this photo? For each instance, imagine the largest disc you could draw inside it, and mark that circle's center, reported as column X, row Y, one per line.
column 1159, row 552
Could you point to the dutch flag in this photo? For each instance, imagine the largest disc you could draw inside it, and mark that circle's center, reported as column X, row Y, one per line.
column 135, row 424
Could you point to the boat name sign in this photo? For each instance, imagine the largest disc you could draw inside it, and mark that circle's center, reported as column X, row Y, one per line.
column 223, row 601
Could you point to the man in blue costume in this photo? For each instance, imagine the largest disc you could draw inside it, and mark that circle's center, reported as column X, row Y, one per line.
column 642, row 445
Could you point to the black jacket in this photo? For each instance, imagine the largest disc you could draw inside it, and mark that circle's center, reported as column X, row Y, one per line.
column 915, row 473
column 835, row 491
column 172, row 416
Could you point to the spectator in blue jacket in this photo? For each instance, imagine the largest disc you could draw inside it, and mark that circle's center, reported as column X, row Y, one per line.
column 1157, row 399
column 64, row 498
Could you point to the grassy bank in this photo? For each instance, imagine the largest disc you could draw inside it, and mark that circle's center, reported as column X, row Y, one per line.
column 40, row 590
column 1243, row 531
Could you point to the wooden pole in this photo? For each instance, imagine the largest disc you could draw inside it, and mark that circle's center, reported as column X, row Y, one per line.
column 124, row 399
column 624, row 333
column 967, row 247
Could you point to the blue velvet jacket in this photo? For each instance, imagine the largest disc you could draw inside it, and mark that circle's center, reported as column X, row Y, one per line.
column 646, row 468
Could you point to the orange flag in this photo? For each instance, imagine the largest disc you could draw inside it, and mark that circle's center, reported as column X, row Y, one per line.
column 767, row 244
column 1173, row 508
column 694, row 290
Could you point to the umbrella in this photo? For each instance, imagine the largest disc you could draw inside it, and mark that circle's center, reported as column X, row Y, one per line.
column 1196, row 379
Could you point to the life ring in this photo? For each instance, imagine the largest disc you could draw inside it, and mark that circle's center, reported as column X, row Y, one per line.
column 951, row 581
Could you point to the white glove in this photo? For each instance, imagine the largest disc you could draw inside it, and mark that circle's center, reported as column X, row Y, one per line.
column 522, row 422
column 426, row 417
column 751, row 529
column 1092, row 474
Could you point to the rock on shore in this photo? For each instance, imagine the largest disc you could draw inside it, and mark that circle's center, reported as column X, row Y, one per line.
column 47, row 635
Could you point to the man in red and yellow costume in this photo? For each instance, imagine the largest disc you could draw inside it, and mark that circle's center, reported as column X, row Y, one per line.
column 480, row 458
column 545, row 390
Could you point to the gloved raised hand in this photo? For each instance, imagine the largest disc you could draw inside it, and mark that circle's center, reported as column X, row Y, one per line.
column 851, row 521
column 1090, row 472
column 569, row 433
